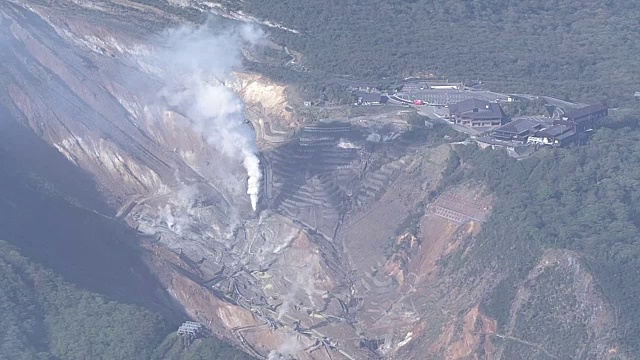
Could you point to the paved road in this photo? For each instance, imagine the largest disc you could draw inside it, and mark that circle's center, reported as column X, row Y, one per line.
column 562, row 103
column 397, row 100
column 432, row 112
column 437, row 114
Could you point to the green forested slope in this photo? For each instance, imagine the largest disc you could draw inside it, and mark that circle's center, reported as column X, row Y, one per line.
column 573, row 49
column 585, row 199
column 45, row 317
column 209, row 348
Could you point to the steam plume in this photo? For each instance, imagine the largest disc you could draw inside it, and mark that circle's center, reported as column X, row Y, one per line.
column 196, row 62
column 287, row 350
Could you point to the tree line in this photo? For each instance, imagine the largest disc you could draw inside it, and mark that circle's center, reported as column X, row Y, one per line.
column 583, row 198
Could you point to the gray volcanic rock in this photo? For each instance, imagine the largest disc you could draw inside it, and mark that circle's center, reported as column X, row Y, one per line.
column 349, row 255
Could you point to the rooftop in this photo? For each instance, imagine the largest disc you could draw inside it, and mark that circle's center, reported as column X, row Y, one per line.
column 190, row 327
column 566, row 135
column 469, row 105
column 477, row 109
column 494, row 111
column 520, row 126
column 553, row 131
column 587, row 110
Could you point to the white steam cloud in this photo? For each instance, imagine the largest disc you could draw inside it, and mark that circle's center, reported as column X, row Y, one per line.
column 195, row 63
column 287, row 350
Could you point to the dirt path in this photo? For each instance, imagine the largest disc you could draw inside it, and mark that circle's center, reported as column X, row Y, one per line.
column 506, row 337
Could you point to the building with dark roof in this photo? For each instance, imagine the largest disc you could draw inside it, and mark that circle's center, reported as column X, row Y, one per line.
column 518, row 129
column 561, row 130
column 556, row 135
column 584, row 118
column 477, row 113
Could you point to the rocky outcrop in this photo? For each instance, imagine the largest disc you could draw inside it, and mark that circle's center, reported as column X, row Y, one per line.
column 350, row 255
column 265, row 98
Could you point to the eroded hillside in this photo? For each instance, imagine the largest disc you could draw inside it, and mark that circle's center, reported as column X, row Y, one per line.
column 361, row 247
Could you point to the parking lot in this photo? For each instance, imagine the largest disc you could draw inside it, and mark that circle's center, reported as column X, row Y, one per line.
column 446, row 97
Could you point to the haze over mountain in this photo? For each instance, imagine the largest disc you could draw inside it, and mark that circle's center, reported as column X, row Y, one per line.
column 190, row 160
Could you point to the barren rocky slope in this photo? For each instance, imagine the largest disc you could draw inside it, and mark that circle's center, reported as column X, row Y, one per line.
column 353, row 254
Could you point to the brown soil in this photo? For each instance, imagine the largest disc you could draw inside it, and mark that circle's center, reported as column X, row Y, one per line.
column 436, row 236
column 465, row 345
